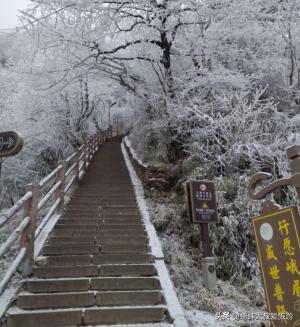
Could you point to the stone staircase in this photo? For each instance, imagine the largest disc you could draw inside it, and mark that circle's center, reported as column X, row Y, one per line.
column 96, row 267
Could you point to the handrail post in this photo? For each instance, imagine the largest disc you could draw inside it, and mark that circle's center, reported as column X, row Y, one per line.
column 85, row 153
column 76, row 171
column 93, row 145
column 89, row 150
column 60, row 192
column 28, row 234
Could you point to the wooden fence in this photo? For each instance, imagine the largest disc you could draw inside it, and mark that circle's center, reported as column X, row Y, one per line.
column 53, row 189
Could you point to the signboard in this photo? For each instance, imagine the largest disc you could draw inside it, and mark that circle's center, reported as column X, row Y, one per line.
column 10, row 144
column 278, row 246
column 202, row 201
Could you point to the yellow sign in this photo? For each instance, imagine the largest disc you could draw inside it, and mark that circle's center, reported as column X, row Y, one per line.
column 278, row 247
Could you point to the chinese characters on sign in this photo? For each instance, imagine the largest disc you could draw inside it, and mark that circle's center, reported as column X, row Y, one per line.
column 202, row 201
column 278, row 246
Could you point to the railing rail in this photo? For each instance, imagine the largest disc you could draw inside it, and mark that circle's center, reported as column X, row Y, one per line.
column 14, row 209
column 35, row 199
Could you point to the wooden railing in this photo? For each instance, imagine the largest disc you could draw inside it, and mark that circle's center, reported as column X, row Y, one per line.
column 52, row 189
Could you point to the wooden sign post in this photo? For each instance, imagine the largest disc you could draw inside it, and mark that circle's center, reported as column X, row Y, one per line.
column 277, row 236
column 203, row 210
column 11, row 143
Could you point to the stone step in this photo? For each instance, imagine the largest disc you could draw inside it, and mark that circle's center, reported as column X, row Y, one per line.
column 109, row 247
column 96, row 206
column 126, row 315
column 108, row 226
column 104, row 203
column 131, row 270
column 137, row 227
column 75, row 233
column 121, row 221
column 52, row 301
column 66, row 271
column 84, row 284
column 103, row 190
column 70, row 249
column 57, row 285
column 120, row 206
column 115, row 212
column 97, row 259
column 86, row 299
column 102, row 198
column 118, row 233
column 136, row 240
column 64, row 260
column 124, row 248
column 43, row 318
column 128, row 298
column 100, row 259
column 71, row 240
column 78, row 220
column 85, row 221
column 82, row 227
column 125, row 283
column 83, row 208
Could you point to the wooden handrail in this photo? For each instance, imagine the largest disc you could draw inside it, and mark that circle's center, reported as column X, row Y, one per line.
column 36, row 198
column 14, row 209
column 48, row 178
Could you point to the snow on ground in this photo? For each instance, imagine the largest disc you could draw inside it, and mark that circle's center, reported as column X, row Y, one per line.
column 133, row 152
column 198, row 318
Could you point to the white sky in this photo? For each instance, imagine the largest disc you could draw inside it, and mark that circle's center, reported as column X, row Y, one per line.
column 9, row 12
